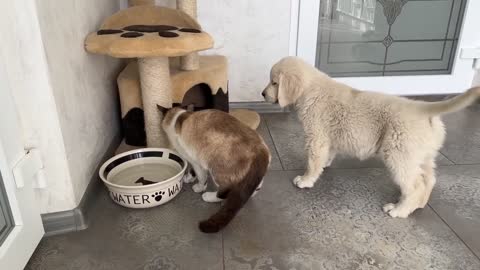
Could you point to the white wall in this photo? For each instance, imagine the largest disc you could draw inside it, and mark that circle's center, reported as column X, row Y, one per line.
column 84, row 85
column 252, row 34
column 23, row 57
column 66, row 98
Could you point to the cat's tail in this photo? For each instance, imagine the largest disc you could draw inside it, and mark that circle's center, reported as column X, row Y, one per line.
column 237, row 196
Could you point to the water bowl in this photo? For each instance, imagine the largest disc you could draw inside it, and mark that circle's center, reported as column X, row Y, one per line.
column 144, row 178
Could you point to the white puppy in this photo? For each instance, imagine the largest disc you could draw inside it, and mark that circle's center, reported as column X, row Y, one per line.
column 337, row 119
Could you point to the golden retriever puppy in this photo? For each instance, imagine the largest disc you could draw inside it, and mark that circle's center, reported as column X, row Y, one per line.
column 405, row 134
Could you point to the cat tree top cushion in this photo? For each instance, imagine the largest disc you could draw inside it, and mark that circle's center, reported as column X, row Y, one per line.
column 148, row 31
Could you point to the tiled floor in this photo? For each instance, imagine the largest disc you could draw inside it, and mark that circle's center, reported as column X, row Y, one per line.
column 338, row 224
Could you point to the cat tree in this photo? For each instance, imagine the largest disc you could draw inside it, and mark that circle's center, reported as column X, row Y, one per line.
column 168, row 70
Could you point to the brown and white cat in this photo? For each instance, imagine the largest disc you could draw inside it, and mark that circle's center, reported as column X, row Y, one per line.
column 217, row 144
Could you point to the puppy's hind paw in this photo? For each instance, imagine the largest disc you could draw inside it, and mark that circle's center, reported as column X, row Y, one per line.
column 301, row 182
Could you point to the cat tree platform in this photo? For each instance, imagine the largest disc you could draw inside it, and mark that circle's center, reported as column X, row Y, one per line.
column 168, row 71
column 148, row 31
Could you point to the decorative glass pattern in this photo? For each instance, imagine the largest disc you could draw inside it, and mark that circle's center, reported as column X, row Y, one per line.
column 388, row 37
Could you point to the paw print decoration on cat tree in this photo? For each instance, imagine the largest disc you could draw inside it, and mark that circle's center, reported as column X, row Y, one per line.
column 164, row 69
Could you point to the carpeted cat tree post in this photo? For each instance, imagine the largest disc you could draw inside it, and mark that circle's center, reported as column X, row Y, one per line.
column 168, row 70
column 190, row 61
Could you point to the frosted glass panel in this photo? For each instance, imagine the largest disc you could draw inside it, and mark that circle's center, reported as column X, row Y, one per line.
column 388, row 37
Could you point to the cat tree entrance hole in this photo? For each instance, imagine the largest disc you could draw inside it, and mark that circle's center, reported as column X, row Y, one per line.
column 201, row 97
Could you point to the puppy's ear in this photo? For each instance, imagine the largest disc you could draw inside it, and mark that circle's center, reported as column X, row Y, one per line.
column 162, row 109
column 288, row 89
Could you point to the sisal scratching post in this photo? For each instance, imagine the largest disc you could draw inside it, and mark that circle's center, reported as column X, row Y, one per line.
column 189, row 61
column 132, row 3
column 156, row 89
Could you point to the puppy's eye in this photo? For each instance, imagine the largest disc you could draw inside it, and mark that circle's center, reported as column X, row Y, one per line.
column 274, row 83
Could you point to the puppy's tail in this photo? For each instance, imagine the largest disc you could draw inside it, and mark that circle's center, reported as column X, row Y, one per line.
column 236, row 197
column 450, row 105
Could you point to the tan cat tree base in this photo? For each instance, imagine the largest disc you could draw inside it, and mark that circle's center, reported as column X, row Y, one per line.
column 168, row 70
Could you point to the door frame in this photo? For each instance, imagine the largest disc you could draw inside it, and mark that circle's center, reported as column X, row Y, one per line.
column 458, row 81
column 28, row 230
column 5, row 211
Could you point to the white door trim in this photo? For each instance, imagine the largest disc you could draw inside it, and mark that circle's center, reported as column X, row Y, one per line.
column 294, row 16
column 308, row 30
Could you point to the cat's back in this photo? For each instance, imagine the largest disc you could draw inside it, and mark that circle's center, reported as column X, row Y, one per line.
column 219, row 125
column 214, row 130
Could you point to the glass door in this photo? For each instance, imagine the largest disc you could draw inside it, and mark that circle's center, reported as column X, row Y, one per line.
column 392, row 46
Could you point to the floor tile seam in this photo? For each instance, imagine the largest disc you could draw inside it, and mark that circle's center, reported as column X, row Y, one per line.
column 444, row 155
column 274, row 144
column 361, row 168
column 454, row 232
column 223, row 250
column 459, row 164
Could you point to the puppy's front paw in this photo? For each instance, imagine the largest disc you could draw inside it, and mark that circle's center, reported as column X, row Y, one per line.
column 387, row 207
column 399, row 213
column 302, row 182
column 396, row 210
column 199, row 187
column 188, row 178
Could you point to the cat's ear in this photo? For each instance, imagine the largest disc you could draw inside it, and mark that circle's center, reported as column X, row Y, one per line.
column 161, row 109
column 190, row 108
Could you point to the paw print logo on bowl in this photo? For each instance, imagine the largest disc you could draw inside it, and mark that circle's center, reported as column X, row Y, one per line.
column 135, row 31
column 158, row 195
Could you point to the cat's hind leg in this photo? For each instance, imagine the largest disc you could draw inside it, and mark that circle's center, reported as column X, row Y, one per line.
column 216, row 196
column 202, row 175
column 222, row 194
column 211, row 197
